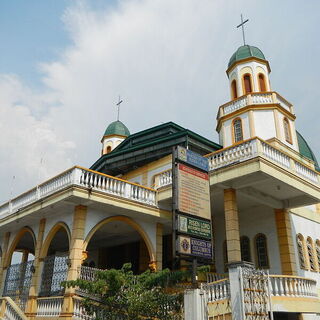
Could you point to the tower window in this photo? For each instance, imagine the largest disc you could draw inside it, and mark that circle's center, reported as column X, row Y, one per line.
column 287, row 131
column 247, row 83
column 108, row 149
column 234, row 89
column 311, row 254
column 300, row 243
column 262, row 83
column 245, row 249
column 262, row 251
column 237, row 130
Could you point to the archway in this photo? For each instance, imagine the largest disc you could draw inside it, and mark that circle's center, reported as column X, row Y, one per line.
column 55, row 255
column 118, row 240
column 19, row 263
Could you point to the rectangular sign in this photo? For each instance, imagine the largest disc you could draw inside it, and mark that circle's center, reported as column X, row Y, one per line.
column 195, row 247
column 193, row 226
column 193, row 192
column 193, row 158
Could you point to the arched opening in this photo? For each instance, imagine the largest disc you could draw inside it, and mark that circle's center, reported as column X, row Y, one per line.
column 20, row 267
column 108, row 149
column 262, row 251
column 287, row 131
column 247, row 83
column 262, row 83
column 234, row 89
column 118, row 240
column 311, row 256
column 301, row 251
column 55, row 261
column 237, row 130
column 245, row 249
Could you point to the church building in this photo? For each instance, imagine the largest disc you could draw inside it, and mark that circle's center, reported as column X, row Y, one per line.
column 264, row 193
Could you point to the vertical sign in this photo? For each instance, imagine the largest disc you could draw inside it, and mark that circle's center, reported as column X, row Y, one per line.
column 192, row 228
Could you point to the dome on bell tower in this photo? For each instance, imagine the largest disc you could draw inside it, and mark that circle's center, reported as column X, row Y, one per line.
column 245, row 52
column 117, row 128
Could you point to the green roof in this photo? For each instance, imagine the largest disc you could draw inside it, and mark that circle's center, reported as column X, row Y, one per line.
column 245, row 52
column 306, row 151
column 117, row 127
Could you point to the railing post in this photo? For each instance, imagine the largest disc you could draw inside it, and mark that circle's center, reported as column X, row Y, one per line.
column 76, row 175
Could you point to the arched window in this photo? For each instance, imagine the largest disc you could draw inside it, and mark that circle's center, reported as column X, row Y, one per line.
column 262, row 83
column 318, row 252
column 301, row 251
column 108, row 149
column 234, row 89
column 245, row 249
column 237, row 130
column 247, row 83
column 287, row 131
column 262, row 251
column 311, row 256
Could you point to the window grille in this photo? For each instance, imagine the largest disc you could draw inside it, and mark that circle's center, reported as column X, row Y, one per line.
column 262, row 252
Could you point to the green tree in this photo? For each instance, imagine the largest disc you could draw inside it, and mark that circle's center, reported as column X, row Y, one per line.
column 121, row 295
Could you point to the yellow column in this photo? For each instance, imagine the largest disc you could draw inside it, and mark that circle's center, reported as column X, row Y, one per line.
column 25, row 254
column 4, row 258
column 286, row 247
column 31, row 308
column 75, row 256
column 318, row 207
column 232, row 225
column 159, row 246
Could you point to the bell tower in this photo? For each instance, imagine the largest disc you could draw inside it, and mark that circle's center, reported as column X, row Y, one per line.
column 254, row 110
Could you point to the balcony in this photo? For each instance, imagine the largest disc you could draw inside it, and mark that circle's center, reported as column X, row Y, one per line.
column 83, row 178
column 255, row 98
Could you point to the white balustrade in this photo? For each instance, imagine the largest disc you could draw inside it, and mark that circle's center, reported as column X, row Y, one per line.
column 292, row 286
column 49, row 307
column 218, row 290
column 283, row 103
column 11, row 310
column 261, row 98
column 163, row 179
column 235, row 105
column 79, row 311
column 232, row 155
column 212, row 277
column 306, row 172
column 84, row 178
column 275, row 155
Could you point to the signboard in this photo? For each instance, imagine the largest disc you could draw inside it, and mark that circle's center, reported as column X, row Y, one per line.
column 193, row 158
column 196, row 227
column 195, row 247
column 193, row 192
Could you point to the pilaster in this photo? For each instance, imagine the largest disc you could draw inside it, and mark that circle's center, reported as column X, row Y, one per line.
column 75, row 256
column 285, row 240
column 232, row 225
column 159, row 246
column 31, row 308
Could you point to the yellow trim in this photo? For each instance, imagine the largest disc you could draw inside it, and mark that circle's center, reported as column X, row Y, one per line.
column 265, row 62
column 50, row 236
column 130, row 222
column 15, row 242
column 251, row 124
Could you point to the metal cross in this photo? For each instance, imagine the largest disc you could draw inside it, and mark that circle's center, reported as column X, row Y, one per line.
column 118, row 105
column 242, row 26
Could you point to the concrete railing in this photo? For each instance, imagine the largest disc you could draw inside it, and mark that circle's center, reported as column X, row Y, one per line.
column 163, row 179
column 49, row 306
column 10, row 311
column 81, row 177
column 256, row 147
column 217, row 290
column 292, row 286
column 254, row 98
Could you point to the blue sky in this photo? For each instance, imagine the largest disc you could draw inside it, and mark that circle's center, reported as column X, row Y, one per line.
column 64, row 63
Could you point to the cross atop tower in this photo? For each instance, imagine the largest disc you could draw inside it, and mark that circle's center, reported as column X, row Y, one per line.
column 118, row 105
column 242, row 26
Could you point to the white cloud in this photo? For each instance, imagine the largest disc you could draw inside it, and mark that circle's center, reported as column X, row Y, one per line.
column 166, row 58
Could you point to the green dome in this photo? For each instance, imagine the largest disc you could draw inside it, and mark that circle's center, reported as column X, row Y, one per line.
column 306, row 151
column 245, row 52
column 117, row 127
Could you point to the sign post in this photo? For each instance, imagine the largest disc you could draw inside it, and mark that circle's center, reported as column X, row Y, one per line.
column 192, row 227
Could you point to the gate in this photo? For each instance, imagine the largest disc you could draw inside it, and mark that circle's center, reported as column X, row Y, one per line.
column 18, row 281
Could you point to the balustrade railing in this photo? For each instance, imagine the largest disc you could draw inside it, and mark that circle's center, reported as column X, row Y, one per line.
column 49, row 307
column 212, row 276
column 254, row 98
column 217, row 290
column 306, row 172
column 292, row 286
column 84, row 178
column 275, row 155
column 163, row 179
column 10, row 311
